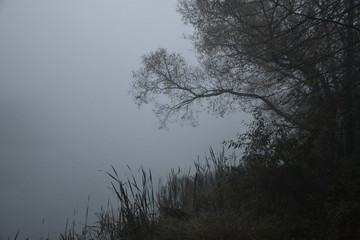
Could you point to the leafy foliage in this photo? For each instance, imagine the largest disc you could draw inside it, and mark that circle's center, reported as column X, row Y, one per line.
column 297, row 62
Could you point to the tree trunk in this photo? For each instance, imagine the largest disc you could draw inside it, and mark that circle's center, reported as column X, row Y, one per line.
column 349, row 88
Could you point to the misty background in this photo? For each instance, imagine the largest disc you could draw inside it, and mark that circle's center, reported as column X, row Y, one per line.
column 65, row 112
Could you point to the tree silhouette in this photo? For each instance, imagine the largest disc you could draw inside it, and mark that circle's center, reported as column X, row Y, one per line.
column 296, row 61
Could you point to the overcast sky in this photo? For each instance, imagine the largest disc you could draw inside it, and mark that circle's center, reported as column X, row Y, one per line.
column 65, row 112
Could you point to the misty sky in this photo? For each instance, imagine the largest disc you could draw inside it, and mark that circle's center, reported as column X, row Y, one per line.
column 65, row 112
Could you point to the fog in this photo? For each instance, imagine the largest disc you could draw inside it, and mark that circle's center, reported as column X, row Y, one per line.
column 65, row 112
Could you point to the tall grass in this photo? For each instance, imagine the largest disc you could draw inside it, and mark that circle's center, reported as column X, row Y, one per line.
column 144, row 213
column 136, row 214
column 185, row 193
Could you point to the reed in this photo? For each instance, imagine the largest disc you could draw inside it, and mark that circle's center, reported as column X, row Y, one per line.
column 144, row 213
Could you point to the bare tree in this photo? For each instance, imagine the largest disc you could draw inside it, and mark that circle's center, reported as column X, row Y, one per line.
column 297, row 60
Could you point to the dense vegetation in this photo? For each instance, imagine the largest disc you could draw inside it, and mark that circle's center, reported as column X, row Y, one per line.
column 281, row 188
column 294, row 65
